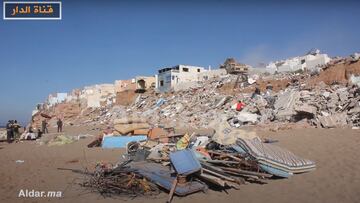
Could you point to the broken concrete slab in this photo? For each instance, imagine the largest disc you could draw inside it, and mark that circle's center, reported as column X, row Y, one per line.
column 246, row 117
column 326, row 94
column 332, row 121
column 305, row 108
column 284, row 106
column 222, row 101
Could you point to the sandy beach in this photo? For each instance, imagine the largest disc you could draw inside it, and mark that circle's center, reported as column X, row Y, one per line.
column 51, row 168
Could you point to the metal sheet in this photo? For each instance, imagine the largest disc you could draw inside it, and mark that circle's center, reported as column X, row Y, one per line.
column 120, row 141
column 164, row 177
column 185, row 162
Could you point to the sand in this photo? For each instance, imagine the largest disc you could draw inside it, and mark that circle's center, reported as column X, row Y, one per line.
column 336, row 179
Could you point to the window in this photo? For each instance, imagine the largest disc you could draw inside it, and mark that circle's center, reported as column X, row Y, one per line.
column 185, row 70
column 161, row 83
column 198, row 70
column 173, row 77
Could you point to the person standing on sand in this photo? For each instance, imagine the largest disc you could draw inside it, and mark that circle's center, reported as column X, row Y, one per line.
column 59, row 125
column 44, row 125
column 16, row 131
column 9, row 131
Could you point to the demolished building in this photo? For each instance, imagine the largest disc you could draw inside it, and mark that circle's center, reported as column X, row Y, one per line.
column 145, row 82
column 233, row 67
column 123, row 85
column 97, row 95
column 211, row 74
column 310, row 61
column 56, row 98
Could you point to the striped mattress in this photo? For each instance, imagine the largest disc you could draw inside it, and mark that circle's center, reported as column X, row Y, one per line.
column 275, row 160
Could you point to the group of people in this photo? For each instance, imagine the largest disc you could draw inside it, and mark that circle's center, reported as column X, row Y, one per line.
column 13, row 131
column 44, row 125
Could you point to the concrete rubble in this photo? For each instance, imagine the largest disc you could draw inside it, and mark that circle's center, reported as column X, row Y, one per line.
column 293, row 97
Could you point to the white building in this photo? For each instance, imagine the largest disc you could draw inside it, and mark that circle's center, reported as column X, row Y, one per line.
column 310, row 61
column 97, row 94
column 56, row 98
column 168, row 78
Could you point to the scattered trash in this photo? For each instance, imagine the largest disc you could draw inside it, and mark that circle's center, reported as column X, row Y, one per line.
column 83, row 136
column 61, row 140
column 193, row 163
column 160, row 102
column 183, row 142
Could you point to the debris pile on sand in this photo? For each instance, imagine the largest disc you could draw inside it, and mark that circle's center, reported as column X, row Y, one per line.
column 185, row 161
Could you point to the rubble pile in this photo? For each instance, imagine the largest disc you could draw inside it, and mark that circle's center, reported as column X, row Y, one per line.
column 74, row 114
column 196, row 107
column 190, row 161
column 322, row 106
column 299, row 98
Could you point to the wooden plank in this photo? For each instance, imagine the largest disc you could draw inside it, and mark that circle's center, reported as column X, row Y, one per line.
column 219, row 175
column 171, row 193
column 222, row 162
column 212, row 179
column 252, row 173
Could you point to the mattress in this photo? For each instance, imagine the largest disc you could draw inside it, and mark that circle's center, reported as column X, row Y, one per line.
column 271, row 157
